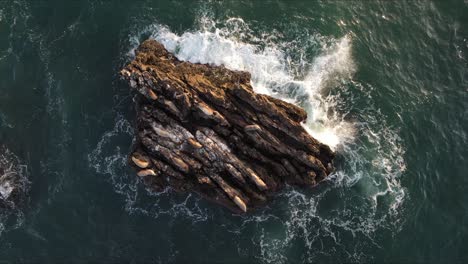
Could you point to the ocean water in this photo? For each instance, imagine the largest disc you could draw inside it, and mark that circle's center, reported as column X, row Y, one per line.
column 384, row 84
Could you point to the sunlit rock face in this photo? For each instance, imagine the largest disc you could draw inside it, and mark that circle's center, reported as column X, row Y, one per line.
column 202, row 128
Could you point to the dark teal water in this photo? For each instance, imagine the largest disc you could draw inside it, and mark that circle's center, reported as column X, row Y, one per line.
column 384, row 83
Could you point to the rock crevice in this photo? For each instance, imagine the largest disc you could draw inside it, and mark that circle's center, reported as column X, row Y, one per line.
column 202, row 128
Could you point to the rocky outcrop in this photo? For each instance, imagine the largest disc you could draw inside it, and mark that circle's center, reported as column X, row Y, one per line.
column 202, row 128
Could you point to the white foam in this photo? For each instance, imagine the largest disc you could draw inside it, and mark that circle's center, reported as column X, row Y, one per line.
column 5, row 190
column 373, row 163
column 110, row 158
column 14, row 176
column 333, row 64
column 268, row 67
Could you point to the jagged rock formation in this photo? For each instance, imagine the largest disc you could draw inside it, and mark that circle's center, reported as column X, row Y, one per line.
column 202, row 128
column 13, row 181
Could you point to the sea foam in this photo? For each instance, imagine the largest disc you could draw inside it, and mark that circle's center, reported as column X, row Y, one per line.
column 366, row 185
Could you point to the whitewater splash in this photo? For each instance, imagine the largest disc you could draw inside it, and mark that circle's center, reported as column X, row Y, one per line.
column 269, row 70
column 363, row 196
column 14, row 185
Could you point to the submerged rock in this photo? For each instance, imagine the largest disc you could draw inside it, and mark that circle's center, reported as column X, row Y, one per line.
column 202, row 128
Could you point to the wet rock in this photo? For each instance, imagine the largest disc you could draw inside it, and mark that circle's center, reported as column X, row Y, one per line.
column 202, row 128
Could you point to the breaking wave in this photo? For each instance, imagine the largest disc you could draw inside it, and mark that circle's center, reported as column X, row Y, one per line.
column 363, row 196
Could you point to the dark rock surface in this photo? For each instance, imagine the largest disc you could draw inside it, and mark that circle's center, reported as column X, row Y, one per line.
column 202, row 128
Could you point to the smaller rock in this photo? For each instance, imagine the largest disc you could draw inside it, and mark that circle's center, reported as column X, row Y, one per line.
column 152, row 94
column 205, row 180
column 172, row 107
column 147, row 172
column 252, row 128
column 240, row 203
column 205, row 109
column 140, row 162
column 180, row 164
column 258, row 181
column 124, row 72
column 161, row 132
column 194, row 143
